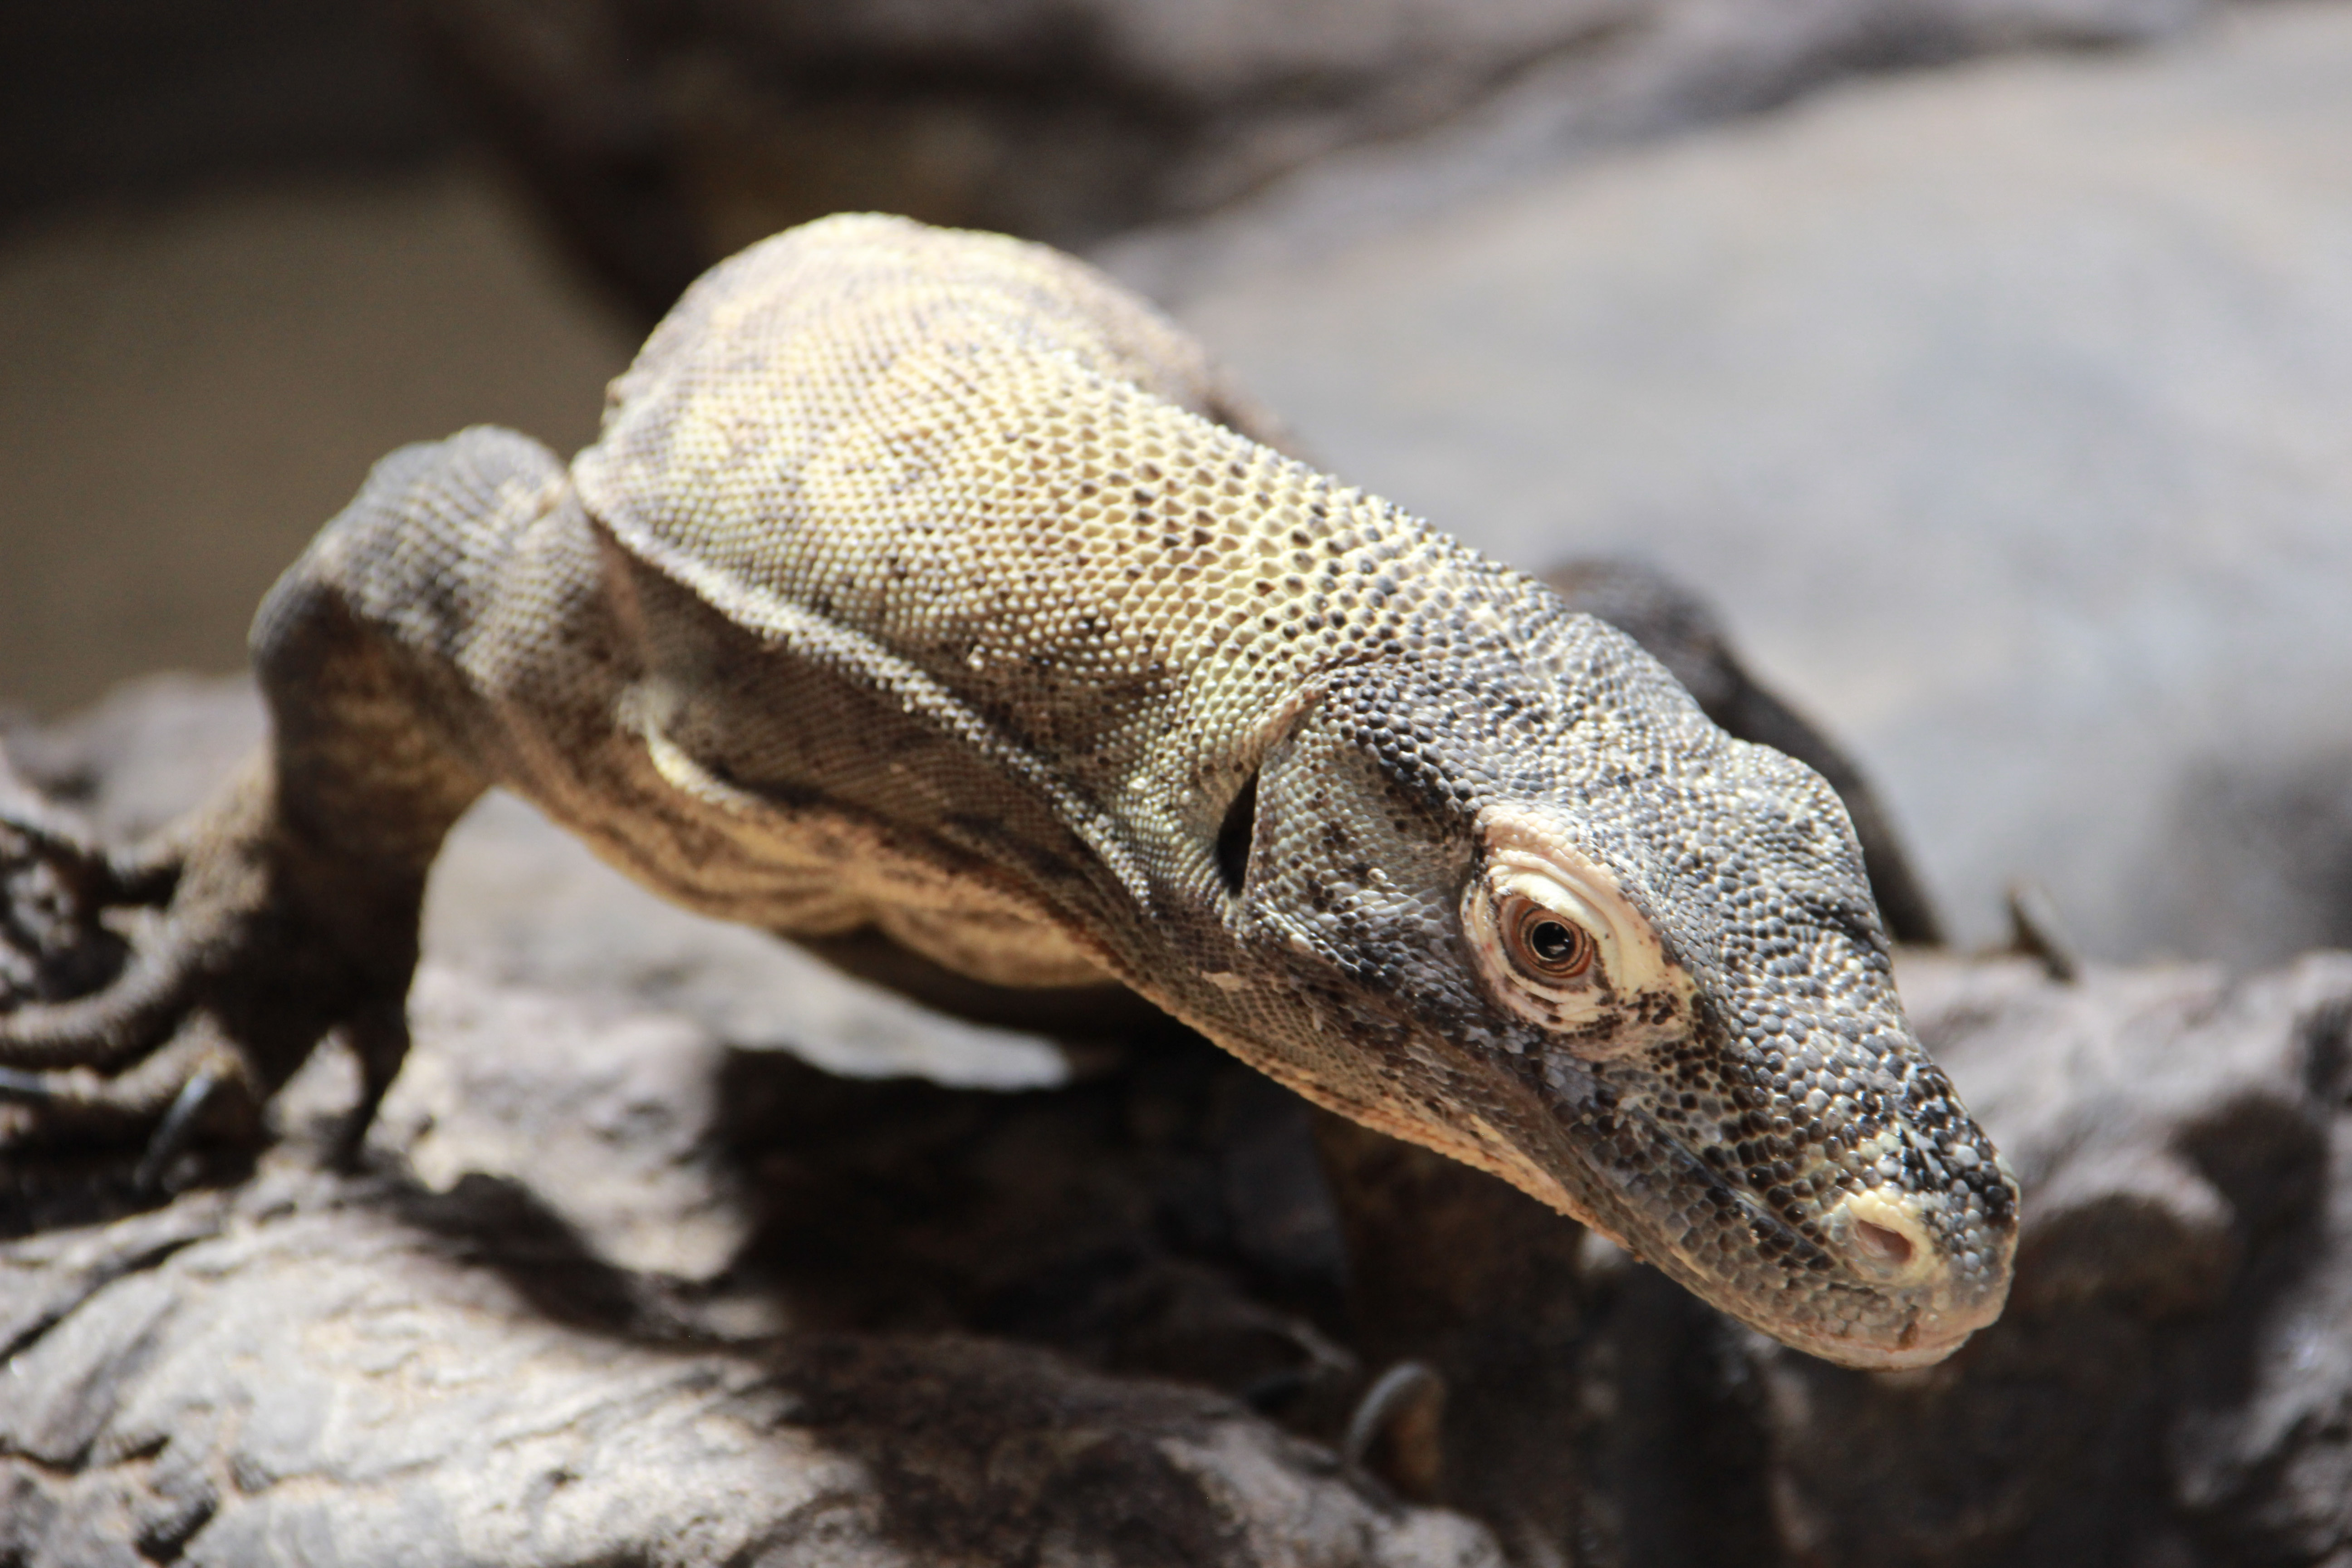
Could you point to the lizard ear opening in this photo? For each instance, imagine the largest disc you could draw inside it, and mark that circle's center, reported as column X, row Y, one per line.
column 1234, row 835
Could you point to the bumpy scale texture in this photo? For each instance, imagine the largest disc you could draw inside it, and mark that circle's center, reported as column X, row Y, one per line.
column 973, row 473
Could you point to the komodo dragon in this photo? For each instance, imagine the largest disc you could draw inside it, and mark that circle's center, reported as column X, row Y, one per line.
column 927, row 585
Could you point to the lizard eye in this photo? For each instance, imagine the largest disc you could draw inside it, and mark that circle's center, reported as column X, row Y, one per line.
column 1557, row 940
column 1543, row 942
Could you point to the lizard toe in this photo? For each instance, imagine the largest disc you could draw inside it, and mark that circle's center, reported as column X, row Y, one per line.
column 154, row 1091
column 110, row 1028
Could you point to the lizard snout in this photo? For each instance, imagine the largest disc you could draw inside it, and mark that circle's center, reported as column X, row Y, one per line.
column 1947, row 1286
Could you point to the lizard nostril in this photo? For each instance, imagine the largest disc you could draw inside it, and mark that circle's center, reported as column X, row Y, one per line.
column 1889, row 1247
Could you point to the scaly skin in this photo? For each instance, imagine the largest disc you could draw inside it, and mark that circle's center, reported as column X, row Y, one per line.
column 924, row 585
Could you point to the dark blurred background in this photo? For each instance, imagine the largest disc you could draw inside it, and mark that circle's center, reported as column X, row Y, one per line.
column 1987, row 362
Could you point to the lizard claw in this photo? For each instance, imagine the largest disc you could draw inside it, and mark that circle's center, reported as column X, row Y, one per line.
column 159, row 1091
column 178, row 1128
column 1397, row 1432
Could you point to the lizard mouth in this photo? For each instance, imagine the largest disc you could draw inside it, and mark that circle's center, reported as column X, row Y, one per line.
column 1867, row 1283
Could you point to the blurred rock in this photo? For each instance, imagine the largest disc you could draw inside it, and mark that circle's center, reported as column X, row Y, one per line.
column 337, row 1373
column 2264, row 840
column 663, row 138
column 148, row 750
column 2262, row 1457
column 2003, row 410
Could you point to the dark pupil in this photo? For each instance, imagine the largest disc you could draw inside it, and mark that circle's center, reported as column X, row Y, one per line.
column 1553, row 943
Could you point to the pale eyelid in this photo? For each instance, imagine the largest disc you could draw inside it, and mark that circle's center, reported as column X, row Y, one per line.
column 1535, row 857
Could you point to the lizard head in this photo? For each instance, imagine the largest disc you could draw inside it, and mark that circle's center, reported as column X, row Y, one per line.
column 1524, row 904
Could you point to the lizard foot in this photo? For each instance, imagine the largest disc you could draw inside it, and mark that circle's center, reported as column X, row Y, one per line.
column 200, row 990
column 98, row 1037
